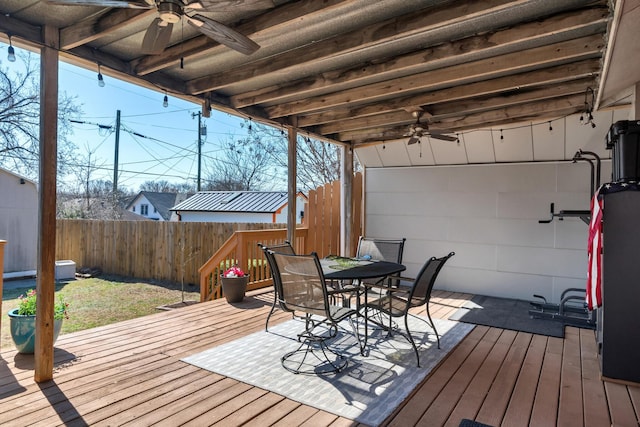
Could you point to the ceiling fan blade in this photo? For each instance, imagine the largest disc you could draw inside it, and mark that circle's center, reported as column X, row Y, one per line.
column 229, row 5
column 413, row 140
column 132, row 4
column 442, row 137
column 223, row 34
column 157, row 37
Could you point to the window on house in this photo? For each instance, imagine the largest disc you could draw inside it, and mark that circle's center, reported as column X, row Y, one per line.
column 144, row 210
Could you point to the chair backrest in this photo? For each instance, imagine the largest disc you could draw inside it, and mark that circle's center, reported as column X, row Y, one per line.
column 381, row 249
column 284, row 248
column 426, row 278
column 301, row 283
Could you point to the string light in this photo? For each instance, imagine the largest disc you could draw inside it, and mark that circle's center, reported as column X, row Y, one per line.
column 11, row 53
column 501, row 135
column 588, row 108
column 165, row 101
column 100, row 78
column 550, row 127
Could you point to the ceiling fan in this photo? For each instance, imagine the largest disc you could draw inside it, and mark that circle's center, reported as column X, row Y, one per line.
column 172, row 11
column 418, row 130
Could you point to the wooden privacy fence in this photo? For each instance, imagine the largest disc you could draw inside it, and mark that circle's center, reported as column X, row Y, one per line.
column 170, row 251
column 176, row 251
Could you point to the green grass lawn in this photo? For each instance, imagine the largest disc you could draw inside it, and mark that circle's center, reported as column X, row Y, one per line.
column 103, row 300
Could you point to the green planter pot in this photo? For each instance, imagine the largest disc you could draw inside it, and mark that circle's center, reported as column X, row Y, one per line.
column 23, row 331
column 233, row 288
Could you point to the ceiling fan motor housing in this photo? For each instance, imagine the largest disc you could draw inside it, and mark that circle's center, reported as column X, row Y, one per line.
column 170, row 11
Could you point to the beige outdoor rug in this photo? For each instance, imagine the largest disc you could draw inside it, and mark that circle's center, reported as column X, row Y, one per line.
column 366, row 391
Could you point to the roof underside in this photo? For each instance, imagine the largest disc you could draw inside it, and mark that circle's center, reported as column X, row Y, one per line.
column 353, row 70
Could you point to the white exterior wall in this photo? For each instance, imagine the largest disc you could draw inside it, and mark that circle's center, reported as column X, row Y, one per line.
column 142, row 200
column 488, row 215
column 226, row 217
column 18, row 223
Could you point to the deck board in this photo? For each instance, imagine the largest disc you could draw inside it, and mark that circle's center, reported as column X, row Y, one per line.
column 130, row 373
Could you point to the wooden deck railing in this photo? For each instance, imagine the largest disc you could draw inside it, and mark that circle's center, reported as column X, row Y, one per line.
column 242, row 249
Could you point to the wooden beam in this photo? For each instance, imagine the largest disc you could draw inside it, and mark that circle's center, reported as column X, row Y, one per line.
column 345, row 45
column 97, row 26
column 539, row 110
column 464, row 107
column 292, row 185
column 547, row 76
column 512, row 63
column 533, row 34
column 45, row 285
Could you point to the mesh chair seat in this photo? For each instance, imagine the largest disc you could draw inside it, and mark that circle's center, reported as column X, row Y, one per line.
column 396, row 301
column 302, row 288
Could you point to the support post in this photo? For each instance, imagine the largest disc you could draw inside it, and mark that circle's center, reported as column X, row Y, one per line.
column 47, row 205
column 346, row 201
column 292, row 185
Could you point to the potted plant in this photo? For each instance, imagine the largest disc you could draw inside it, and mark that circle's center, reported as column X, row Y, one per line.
column 22, row 321
column 234, row 284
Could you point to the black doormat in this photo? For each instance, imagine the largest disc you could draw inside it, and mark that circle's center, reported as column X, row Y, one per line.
column 506, row 314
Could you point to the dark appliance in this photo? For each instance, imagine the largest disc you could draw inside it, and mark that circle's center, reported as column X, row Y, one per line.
column 623, row 139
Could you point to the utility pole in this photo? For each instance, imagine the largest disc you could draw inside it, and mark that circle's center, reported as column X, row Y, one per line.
column 199, row 114
column 115, row 157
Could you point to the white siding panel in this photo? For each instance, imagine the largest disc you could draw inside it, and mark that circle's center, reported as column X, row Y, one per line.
column 516, row 145
column 488, row 215
column 496, row 284
column 545, row 261
column 393, row 153
column 368, row 156
column 420, row 153
column 479, row 146
column 447, row 152
column 548, row 144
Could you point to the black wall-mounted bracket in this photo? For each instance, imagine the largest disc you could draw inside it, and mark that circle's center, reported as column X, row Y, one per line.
column 585, row 216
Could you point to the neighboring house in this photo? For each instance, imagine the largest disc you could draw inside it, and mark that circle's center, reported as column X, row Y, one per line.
column 18, row 224
column 238, row 206
column 153, row 205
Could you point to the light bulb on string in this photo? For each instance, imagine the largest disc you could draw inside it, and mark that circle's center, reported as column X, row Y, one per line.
column 11, row 53
column 165, row 100
column 100, row 78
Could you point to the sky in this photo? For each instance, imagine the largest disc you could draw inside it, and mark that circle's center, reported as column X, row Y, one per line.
column 156, row 143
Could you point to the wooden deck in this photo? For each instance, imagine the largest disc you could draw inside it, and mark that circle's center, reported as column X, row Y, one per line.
column 131, row 373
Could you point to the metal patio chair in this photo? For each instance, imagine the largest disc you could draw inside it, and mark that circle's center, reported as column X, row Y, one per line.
column 285, row 248
column 302, row 289
column 396, row 301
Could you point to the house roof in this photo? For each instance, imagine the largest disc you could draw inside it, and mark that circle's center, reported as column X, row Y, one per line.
column 161, row 201
column 352, row 71
column 234, row 201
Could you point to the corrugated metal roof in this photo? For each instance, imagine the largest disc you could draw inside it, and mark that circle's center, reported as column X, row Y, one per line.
column 234, row 201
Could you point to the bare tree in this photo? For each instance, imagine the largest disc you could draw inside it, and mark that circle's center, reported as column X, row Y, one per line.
column 163, row 186
column 244, row 165
column 20, row 120
column 318, row 162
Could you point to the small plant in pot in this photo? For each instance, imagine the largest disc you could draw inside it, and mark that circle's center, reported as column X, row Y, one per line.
column 22, row 321
column 234, row 284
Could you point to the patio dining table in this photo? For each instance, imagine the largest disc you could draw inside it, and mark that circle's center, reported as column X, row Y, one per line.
column 342, row 269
